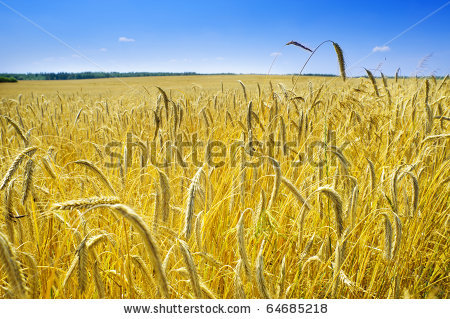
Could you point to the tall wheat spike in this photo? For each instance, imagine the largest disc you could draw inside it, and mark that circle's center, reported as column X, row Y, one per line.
column 33, row 279
column 82, row 265
column 398, row 236
column 18, row 129
column 238, row 286
column 277, row 182
column 15, row 165
column 260, row 281
column 372, row 174
column 189, row 210
column 27, row 180
column 337, row 201
column 341, row 61
column 387, row 237
column 85, row 203
column 153, row 251
column 282, row 279
column 394, row 189
column 98, row 172
column 374, row 82
column 11, row 266
column 243, row 89
column 242, row 247
column 353, row 203
column 295, row 192
column 165, row 194
column 8, row 211
column 192, row 269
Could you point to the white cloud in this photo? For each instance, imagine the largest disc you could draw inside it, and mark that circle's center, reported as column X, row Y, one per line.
column 275, row 54
column 75, row 56
column 125, row 39
column 384, row 48
column 220, row 58
column 103, row 49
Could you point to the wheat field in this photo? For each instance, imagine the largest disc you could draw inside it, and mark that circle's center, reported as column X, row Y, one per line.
column 225, row 187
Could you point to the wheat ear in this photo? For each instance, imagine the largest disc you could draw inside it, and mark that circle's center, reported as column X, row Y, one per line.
column 28, row 180
column 374, row 82
column 85, row 203
column 242, row 247
column 372, row 174
column 295, row 192
column 394, row 189
column 387, row 237
column 341, row 61
column 152, row 249
column 416, row 192
column 260, row 281
column 337, row 201
column 189, row 210
column 12, row 268
column 33, row 276
column 98, row 172
column 15, row 165
column 82, row 265
column 261, row 208
column 18, row 129
column 192, row 270
column 277, row 182
column 238, row 286
column 165, row 194
column 398, row 236
column 282, row 279
column 8, row 212
column 243, row 89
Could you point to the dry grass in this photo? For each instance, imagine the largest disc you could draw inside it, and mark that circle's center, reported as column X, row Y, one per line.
column 372, row 222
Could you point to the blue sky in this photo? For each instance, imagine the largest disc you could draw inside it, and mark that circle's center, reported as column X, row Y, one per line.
column 223, row 36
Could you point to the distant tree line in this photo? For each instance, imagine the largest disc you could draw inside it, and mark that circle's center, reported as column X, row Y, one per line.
column 7, row 79
column 86, row 75
column 14, row 77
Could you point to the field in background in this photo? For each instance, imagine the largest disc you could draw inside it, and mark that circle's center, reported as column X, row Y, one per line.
column 110, row 190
